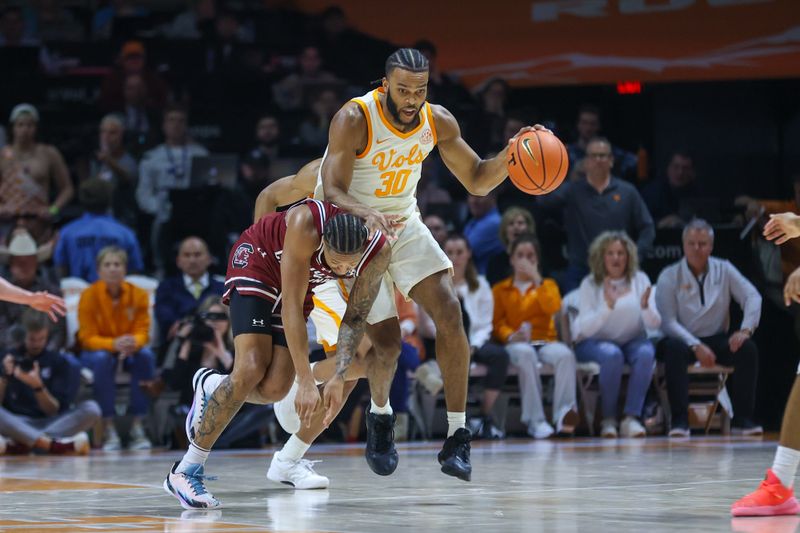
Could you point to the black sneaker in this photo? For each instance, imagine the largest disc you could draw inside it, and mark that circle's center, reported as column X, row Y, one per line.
column 454, row 456
column 380, row 453
column 489, row 431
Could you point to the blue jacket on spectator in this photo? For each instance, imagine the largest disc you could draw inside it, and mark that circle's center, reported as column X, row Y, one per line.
column 81, row 239
column 482, row 235
column 174, row 301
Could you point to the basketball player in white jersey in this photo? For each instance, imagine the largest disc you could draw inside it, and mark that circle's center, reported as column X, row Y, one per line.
column 371, row 167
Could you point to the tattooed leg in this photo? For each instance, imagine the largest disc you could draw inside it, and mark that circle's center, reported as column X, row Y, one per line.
column 253, row 358
column 222, row 406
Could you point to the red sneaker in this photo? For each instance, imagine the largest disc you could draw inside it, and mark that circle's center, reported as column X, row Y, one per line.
column 770, row 499
column 76, row 445
column 15, row 448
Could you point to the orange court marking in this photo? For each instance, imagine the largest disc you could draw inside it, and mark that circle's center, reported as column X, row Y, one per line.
column 112, row 523
column 11, row 484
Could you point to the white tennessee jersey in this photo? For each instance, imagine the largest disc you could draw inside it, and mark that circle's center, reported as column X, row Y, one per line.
column 386, row 173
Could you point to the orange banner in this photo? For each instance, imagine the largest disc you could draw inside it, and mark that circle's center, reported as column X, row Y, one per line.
column 563, row 42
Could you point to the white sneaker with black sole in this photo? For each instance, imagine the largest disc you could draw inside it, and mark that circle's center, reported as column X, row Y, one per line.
column 204, row 383
column 298, row 474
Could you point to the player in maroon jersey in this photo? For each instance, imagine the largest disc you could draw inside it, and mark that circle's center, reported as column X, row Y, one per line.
column 271, row 270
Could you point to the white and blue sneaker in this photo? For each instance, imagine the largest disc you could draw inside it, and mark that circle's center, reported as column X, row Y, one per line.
column 204, row 383
column 286, row 413
column 189, row 488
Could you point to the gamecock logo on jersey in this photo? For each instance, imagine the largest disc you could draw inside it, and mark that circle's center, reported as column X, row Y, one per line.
column 242, row 255
column 427, row 137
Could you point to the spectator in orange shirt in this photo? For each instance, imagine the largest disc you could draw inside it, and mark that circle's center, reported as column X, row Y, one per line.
column 113, row 324
column 524, row 306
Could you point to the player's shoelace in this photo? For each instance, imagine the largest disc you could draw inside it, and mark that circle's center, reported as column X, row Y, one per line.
column 199, row 422
column 196, row 482
column 203, row 406
column 461, row 448
column 308, row 465
column 383, row 436
column 772, row 488
column 462, row 451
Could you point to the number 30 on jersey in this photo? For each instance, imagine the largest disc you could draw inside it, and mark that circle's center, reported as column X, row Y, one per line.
column 393, row 181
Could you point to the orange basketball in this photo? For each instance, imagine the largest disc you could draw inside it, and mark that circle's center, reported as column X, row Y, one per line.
column 537, row 162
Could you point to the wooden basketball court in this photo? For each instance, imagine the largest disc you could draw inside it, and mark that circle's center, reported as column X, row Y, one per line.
column 650, row 485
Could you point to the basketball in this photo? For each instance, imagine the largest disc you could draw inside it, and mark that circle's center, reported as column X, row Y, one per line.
column 537, row 162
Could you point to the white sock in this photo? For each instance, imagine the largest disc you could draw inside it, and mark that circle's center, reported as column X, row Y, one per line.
column 316, row 381
column 195, row 455
column 378, row 410
column 293, row 450
column 785, row 465
column 455, row 421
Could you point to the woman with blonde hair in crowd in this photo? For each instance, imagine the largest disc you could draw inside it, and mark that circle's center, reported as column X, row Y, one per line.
column 515, row 222
column 616, row 304
column 524, row 306
column 114, row 325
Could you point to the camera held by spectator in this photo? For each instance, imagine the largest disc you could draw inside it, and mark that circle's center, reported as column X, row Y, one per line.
column 196, row 329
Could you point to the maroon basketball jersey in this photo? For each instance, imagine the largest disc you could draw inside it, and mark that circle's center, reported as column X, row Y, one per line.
column 254, row 264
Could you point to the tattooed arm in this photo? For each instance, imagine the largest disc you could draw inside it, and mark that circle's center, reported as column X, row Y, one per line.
column 359, row 303
column 354, row 322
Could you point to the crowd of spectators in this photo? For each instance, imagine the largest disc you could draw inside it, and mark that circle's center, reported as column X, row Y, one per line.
column 171, row 88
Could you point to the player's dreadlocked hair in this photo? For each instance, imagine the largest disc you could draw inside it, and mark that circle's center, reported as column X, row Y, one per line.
column 345, row 233
column 407, row 59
